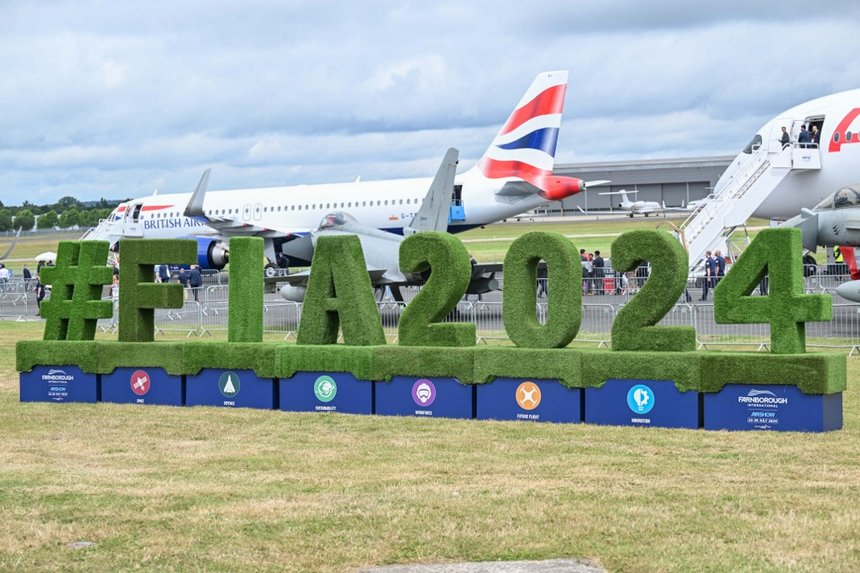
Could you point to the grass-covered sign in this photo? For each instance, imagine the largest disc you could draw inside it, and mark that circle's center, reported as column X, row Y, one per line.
column 340, row 300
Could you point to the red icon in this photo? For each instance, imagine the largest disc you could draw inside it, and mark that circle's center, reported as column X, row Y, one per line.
column 140, row 382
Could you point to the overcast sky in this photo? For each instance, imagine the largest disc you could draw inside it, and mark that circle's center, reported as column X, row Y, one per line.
column 115, row 99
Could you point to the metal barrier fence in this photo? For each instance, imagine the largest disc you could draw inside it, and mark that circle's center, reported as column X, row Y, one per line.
column 209, row 315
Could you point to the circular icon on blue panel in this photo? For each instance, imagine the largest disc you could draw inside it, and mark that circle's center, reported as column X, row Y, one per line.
column 640, row 399
column 325, row 388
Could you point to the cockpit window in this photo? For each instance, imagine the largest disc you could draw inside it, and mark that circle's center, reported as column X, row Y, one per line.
column 753, row 145
column 336, row 219
column 846, row 197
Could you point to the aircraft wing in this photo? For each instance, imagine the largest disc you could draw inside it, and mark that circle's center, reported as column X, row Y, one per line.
column 12, row 246
column 230, row 226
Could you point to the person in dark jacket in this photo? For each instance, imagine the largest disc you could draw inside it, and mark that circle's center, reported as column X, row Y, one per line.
column 803, row 138
column 195, row 280
column 39, row 288
column 785, row 140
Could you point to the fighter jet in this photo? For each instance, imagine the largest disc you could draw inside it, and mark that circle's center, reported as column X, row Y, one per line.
column 835, row 221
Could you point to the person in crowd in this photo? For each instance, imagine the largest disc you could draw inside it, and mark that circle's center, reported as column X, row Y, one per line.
column 164, row 273
column 785, row 140
column 710, row 274
column 183, row 280
column 586, row 270
column 814, row 137
column 598, row 265
column 720, row 263
column 114, row 294
column 4, row 277
column 28, row 277
column 195, row 280
column 40, row 291
column 803, row 138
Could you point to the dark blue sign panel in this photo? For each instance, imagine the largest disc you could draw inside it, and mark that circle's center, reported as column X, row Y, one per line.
column 58, row 384
column 143, row 386
column 230, row 388
column 431, row 397
column 326, row 392
column 642, row 403
column 532, row 400
column 778, row 407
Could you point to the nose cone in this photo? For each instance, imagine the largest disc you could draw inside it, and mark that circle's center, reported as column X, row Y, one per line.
column 849, row 291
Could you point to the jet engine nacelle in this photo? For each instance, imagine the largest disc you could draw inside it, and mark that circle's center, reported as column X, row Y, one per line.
column 293, row 293
column 482, row 285
column 211, row 253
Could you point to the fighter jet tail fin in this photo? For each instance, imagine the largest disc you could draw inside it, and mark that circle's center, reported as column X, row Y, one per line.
column 434, row 210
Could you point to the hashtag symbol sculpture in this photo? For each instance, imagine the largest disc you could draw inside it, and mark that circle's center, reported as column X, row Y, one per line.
column 75, row 305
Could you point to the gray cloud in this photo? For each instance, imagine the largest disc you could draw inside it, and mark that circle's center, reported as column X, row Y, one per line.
column 114, row 99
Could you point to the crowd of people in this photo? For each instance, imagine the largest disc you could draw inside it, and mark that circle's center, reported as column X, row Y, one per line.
column 807, row 138
column 191, row 279
column 597, row 279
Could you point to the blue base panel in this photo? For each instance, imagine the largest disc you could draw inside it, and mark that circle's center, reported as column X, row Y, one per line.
column 425, row 397
column 59, row 384
column 326, row 392
column 771, row 407
column 231, row 389
column 628, row 402
column 528, row 400
column 143, row 386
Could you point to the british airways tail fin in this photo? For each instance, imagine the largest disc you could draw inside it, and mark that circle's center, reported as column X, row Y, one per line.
column 524, row 149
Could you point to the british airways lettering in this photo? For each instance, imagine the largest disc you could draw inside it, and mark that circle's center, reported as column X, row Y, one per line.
column 171, row 223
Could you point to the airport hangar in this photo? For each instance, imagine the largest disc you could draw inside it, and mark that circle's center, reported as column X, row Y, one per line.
column 674, row 182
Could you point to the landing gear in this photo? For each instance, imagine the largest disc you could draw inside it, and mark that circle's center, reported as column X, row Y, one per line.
column 270, row 271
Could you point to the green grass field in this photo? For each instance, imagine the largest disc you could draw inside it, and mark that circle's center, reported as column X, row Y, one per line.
column 209, row 489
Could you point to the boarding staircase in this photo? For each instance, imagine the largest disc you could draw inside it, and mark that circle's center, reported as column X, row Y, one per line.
column 106, row 230
column 733, row 203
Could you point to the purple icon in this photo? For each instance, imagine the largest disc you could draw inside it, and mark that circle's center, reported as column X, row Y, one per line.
column 423, row 392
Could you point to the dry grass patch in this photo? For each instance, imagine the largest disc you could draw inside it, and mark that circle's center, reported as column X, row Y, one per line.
column 245, row 490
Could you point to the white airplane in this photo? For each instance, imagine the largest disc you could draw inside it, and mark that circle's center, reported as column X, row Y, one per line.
column 837, row 119
column 513, row 175
column 638, row 207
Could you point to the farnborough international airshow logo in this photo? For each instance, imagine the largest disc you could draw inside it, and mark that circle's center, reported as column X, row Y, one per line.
column 764, row 398
column 640, row 399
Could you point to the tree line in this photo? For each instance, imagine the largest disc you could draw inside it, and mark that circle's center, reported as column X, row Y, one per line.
column 66, row 213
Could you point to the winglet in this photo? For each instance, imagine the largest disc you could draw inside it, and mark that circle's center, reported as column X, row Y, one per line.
column 195, row 204
column 12, row 246
column 433, row 213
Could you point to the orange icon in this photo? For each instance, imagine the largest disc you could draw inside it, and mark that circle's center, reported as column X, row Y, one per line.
column 528, row 395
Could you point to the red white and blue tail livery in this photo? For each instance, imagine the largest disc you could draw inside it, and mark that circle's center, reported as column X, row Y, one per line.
column 524, row 148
